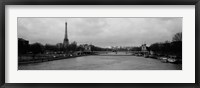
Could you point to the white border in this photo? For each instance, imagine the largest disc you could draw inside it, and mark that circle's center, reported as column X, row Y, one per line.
column 187, row 75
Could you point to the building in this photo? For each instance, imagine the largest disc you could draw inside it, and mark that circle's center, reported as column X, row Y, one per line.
column 59, row 45
column 87, row 48
column 66, row 40
column 144, row 49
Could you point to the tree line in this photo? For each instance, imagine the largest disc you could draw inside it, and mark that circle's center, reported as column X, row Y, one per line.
column 166, row 48
column 169, row 48
column 38, row 48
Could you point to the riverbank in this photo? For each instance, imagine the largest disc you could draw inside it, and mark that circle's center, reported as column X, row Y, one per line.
column 96, row 62
column 28, row 59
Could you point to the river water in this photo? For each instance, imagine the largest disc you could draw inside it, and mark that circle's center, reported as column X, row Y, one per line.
column 110, row 61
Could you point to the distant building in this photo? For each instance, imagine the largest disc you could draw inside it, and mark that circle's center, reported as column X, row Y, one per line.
column 144, row 49
column 129, row 48
column 23, row 46
column 114, row 47
column 87, row 48
column 59, row 45
column 66, row 40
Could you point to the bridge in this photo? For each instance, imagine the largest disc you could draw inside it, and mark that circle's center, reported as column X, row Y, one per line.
column 107, row 53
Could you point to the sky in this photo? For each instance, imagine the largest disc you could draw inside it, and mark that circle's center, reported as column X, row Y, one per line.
column 103, row 32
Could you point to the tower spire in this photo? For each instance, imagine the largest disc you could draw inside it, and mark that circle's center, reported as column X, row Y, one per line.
column 66, row 36
column 66, row 41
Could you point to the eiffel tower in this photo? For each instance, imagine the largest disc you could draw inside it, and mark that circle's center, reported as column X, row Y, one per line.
column 66, row 40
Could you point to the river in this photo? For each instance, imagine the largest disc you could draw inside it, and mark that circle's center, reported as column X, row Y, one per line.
column 110, row 61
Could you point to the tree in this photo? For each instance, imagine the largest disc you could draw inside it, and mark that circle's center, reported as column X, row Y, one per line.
column 166, row 48
column 177, row 37
column 177, row 44
column 72, row 47
column 136, row 49
column 96, row 48
column 51, row 47
column 161, row 48
column 155, row 47
column 80, row 48
column 23, row 46
column 36, row 48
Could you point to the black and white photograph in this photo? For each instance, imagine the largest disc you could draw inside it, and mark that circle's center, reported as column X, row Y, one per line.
column 99, row 43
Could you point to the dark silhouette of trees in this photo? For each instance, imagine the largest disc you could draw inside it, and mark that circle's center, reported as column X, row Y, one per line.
column 156, row 47
column 23, row 46
column 176, row 48
column 177, row 44
column 36, row 48
column 136, row 49
column 80, row 48
column 95, row 48
column 51, row 48
column 166, row 48
column 169, row 48
column 177, row 37
column 72, row 47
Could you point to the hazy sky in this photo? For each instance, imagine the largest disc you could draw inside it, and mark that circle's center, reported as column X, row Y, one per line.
column 99, row 31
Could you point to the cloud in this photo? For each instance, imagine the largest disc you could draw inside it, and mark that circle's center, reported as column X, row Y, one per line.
column 100, row 31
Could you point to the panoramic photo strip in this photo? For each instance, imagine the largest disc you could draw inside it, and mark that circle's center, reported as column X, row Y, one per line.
column 99, row 43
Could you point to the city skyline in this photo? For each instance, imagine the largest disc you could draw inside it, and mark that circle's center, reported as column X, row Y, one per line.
column 102, row 32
